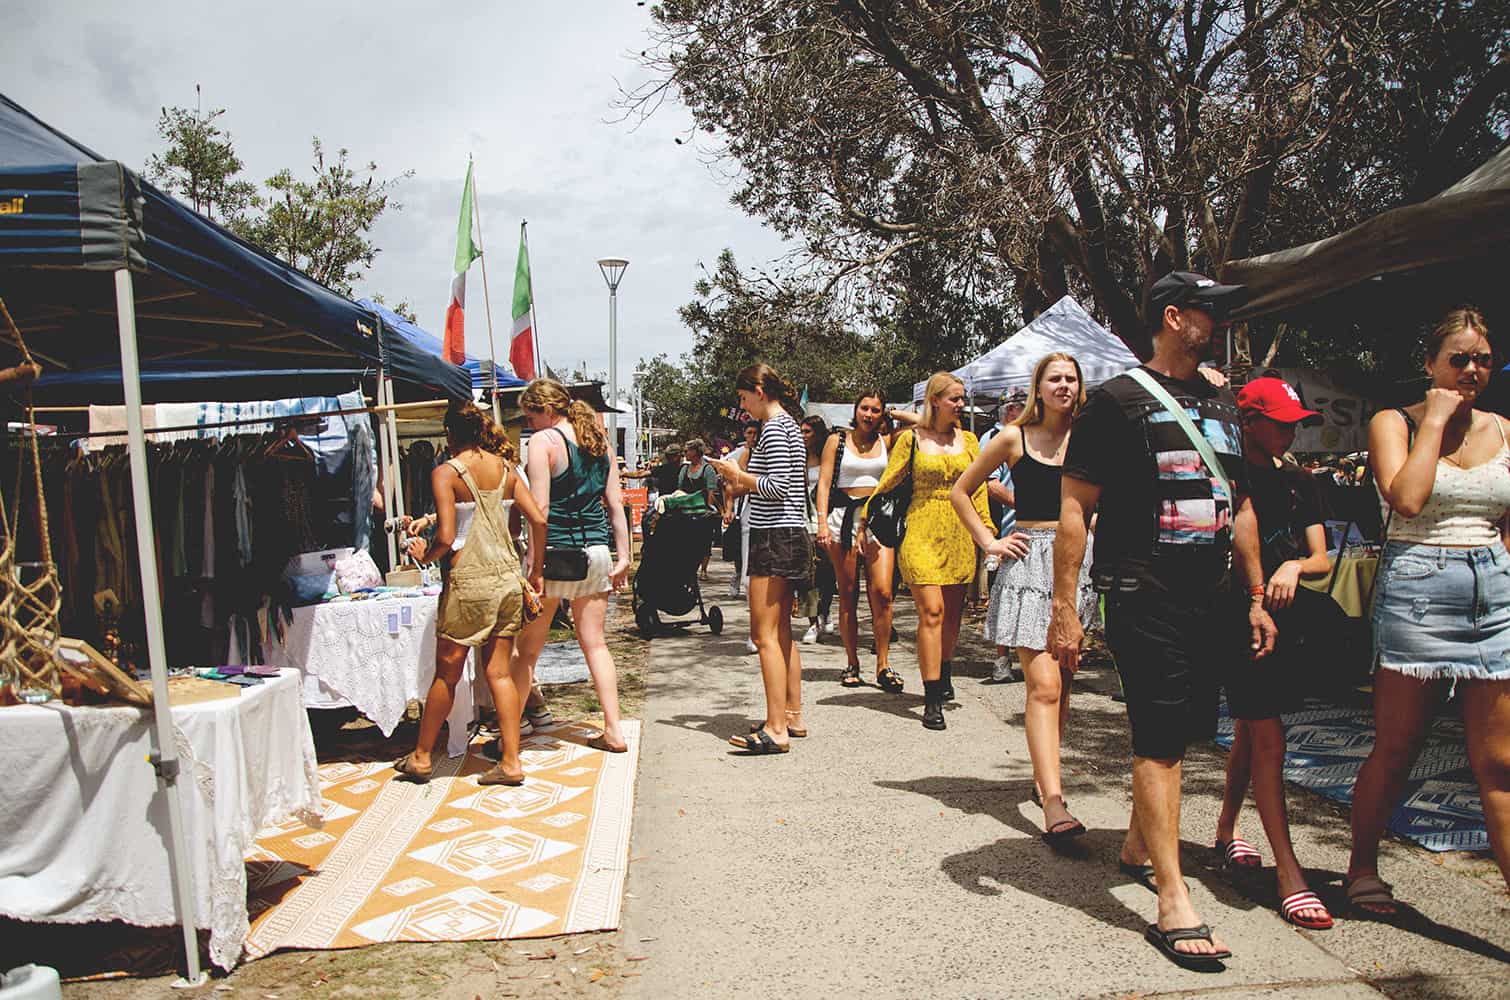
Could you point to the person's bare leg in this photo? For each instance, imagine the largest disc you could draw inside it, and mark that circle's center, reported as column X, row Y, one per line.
column 450, row 657
column 509, row 682
column 1047, row 696
column 1156, row 798
column 792, row 656
column 1402, row 708
column 845, row 567
column 954, row 613
column 771, row 628
column 878, row 574
column 1486, row 715
column 929, row 599
column 591, row 614
column 1239, row 773
column 1266, row 739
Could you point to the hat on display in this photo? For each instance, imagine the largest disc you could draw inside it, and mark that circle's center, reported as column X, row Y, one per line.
column 1186, row 288
column 1276, row 399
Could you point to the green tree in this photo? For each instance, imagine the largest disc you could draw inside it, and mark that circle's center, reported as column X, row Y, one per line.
column 200, row 165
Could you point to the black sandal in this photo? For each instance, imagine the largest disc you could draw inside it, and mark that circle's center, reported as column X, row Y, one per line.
column 889, row 680
column 758, row 743
column 1063, row 832
column 850, row 678
column 1165, row 941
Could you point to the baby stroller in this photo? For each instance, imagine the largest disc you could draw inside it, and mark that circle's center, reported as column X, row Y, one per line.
column 666, row 582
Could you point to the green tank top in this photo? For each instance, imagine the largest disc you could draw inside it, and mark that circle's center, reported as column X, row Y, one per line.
column 577, row 517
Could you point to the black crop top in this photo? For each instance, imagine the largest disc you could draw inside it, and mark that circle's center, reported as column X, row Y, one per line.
column 1036, row 485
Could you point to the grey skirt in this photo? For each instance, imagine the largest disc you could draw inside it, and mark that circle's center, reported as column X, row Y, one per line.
column 1022, row 597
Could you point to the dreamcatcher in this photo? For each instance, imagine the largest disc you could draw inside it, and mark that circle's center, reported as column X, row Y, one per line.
column 28, row 607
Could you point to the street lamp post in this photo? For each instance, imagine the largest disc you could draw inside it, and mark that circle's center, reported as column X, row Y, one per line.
column 613, row 270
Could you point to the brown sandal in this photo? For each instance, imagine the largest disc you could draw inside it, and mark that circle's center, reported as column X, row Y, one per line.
column 496, row 775
column 600, row 742
column 406, row 769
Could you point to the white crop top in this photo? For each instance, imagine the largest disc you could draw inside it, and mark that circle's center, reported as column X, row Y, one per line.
column 1466, row 506
column 856, row 471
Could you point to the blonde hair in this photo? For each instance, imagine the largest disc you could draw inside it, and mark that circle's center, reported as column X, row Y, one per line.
column 548, row 394
column 1032, row 410
column 938, row 384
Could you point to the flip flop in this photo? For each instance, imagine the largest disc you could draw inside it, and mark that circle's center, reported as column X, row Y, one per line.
column 600, row 742
column 406, row 770
column 1305, row 899
column 758, row 743
column 1165, row 941
column 1142, row 874
column 1238, row 853
column 1367, row 891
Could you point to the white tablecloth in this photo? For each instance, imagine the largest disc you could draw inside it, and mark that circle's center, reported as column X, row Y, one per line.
column 369, row 655
column 84, row 829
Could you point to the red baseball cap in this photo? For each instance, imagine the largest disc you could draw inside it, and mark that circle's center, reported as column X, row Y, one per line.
column 1276, row 399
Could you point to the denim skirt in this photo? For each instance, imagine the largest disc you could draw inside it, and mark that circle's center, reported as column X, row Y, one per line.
column 1443, row 613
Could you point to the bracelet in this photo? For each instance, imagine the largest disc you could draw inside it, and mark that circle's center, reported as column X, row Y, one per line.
column 1256, row 591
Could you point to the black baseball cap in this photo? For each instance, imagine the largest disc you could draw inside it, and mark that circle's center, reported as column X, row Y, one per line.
column 1186, row 288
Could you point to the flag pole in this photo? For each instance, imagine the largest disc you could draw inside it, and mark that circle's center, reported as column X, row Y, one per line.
column 487, row 303
column 524, row 237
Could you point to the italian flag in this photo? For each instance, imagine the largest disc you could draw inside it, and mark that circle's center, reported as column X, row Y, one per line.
column 522, row 344
column 454, row 344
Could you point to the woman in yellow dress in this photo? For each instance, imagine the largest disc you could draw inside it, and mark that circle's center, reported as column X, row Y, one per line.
column 937, row 555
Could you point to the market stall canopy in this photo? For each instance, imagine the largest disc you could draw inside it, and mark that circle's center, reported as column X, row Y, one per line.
column 193, row 381
column 1063, row 326
column 1454, row 244
column 70, row 218
column 429, row 343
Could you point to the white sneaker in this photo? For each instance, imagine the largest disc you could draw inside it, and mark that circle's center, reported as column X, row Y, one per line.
column 1001, row 670
column 750, row 646
column 734, row 590
column 830, row 626
column 811, row 635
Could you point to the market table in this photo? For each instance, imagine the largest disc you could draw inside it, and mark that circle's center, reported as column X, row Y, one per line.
column 84, row 831
column 375, row 655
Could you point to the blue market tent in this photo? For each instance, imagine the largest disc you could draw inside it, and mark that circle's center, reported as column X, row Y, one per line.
column 99, row 268
column 428, row 343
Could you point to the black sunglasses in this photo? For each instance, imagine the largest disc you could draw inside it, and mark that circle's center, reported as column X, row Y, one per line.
column 1460, row 359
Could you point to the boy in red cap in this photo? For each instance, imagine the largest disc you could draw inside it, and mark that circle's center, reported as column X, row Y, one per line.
column 1292, row 537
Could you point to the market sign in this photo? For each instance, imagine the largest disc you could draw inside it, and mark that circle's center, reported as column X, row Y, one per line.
column 1345, row 413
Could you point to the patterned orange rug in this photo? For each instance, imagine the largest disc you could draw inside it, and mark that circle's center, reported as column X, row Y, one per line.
column 452, row 860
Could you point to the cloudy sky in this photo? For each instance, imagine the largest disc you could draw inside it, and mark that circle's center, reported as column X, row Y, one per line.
column 527, row 88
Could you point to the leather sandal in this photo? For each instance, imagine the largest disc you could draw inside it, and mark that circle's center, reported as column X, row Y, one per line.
column 496, row 775
column 759, row 743
column 406, row 769
column 850, row 678
column 600, row 742
column 889, row 680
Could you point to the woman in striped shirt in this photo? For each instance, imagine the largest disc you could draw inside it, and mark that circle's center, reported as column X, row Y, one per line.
column 781, row 552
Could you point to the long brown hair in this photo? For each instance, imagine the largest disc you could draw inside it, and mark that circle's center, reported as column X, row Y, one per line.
column 548, row 394
column 468, row 424
column 763, row 377
column 1456, row 321
column 1032, row 410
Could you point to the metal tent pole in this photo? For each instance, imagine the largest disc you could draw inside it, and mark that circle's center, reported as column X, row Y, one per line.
column 388, row 466
column 165, row 759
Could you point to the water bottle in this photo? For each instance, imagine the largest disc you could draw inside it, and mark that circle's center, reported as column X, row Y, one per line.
column 993, row 562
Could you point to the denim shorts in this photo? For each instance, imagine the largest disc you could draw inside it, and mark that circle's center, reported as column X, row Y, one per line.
column 1443, row 614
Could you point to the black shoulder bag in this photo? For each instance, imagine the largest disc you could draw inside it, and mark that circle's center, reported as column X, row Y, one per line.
column 887, row 518
column 566, row 563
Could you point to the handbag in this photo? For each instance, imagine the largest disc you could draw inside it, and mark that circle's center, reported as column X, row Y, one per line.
column 886, row 516
column 565, row 563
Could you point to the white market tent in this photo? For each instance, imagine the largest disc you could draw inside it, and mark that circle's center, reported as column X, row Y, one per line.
column 1063, row 326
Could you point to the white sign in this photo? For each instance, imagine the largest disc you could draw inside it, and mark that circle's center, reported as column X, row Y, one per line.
column 1345, row 413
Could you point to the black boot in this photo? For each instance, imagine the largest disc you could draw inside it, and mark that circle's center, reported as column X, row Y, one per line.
column 933, row 705
column 946, row 678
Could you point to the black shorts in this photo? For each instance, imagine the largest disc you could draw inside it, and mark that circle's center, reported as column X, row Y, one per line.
column 1170, row 651
column 782, row 552
column 1298, row 666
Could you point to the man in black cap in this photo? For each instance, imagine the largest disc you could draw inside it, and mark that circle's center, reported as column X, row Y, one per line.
column 1159, row 451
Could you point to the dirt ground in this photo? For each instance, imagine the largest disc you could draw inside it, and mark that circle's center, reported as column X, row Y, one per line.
column 578, row 965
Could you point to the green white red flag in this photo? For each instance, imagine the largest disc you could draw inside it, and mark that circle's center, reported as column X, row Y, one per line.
column 454, row 343
column 522, row 344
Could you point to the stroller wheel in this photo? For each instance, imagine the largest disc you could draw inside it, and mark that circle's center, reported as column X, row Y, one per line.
column 648, row 621
column 715, row 620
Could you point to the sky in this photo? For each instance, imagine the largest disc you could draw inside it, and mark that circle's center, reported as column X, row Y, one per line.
column 526, row 88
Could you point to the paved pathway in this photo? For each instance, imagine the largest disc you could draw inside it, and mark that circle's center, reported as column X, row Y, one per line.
column 879, row 858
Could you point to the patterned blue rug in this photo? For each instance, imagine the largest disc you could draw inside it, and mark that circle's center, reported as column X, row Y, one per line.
column 1327, row 745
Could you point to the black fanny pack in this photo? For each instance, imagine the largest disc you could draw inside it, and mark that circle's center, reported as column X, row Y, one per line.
column 565, row 563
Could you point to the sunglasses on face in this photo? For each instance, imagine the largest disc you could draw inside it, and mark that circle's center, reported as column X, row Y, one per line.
column 1460, row 359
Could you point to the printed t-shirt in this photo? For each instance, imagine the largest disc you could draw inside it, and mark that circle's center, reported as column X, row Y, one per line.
column 1165, row 520
column 1287, row 501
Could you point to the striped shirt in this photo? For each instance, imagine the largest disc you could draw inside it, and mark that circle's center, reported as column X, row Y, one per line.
column 779, row 466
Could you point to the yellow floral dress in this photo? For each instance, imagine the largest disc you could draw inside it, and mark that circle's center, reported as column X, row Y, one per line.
column 937, row 548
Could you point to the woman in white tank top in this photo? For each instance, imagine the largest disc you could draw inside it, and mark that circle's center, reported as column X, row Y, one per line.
column 847, row 477
column 1441, row 615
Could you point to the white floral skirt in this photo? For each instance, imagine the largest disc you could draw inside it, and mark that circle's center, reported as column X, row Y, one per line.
column 1022, row 597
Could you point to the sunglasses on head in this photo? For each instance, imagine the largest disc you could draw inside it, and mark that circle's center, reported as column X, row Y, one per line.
column 1460, row 359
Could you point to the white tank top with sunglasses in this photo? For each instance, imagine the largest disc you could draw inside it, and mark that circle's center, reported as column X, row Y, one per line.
column 1466, row 506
